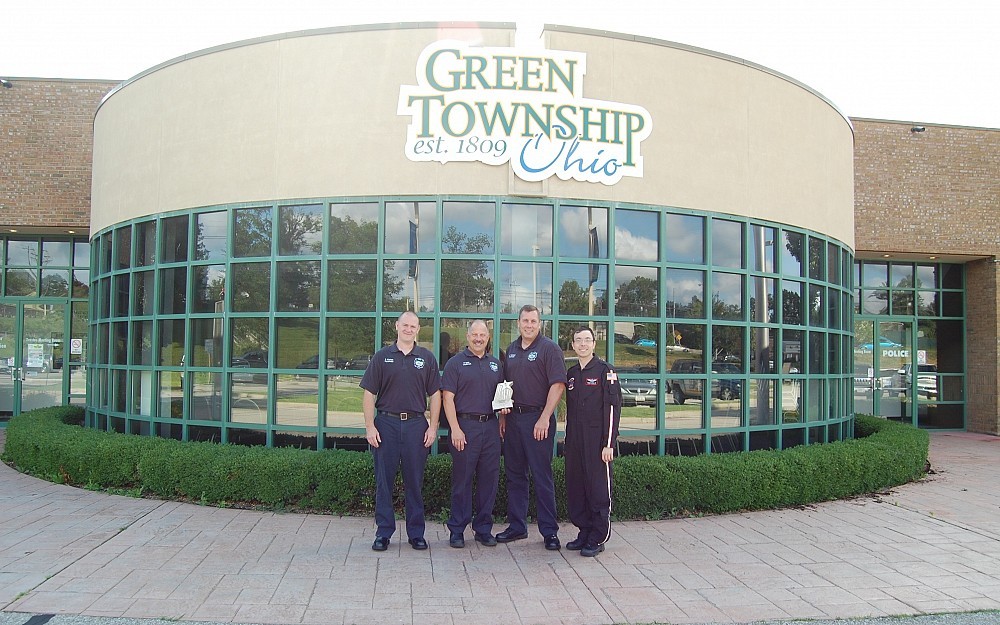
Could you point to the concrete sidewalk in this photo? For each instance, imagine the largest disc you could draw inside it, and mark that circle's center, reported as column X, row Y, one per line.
column 929, row 547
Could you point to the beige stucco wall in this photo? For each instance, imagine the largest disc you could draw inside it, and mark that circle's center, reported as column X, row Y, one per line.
column 314, row 115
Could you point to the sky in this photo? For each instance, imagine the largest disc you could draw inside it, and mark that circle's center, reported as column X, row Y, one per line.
column 927, row 61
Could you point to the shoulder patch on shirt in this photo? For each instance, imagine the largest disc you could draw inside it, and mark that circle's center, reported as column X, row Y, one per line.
column 612, row 377
column 494, row 367
column 418, row 363
column 569, row 384
column 532, row 356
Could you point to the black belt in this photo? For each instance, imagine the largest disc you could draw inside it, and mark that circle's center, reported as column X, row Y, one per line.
column 402, row 416
column 527, row 409
column 482, row 418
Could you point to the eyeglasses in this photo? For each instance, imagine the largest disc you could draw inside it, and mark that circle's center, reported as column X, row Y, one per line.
column 583, row 339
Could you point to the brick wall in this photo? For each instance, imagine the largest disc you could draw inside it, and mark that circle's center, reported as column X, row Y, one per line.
column 938, row 192
column 46, row 137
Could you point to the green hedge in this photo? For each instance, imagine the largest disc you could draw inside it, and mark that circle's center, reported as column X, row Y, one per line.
column 50, row 443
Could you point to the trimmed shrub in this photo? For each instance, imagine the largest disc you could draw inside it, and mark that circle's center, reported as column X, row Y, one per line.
column 50, row 444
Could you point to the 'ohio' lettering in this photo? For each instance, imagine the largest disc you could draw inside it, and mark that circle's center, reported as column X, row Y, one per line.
column 496, row 105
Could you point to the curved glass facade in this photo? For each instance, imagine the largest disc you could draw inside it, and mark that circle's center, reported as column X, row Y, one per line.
column 252, row 323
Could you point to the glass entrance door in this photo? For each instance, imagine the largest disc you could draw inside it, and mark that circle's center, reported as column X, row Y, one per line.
column 882, row 349
column 32, row 343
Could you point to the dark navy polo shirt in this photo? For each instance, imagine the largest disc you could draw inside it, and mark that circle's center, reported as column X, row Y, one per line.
column 473, row 380
column 534, row 370
column 402, row 382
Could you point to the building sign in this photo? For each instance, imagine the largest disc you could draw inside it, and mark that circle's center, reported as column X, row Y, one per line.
column 523, row 107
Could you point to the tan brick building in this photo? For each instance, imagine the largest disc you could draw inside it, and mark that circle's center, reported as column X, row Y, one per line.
column 925, row 194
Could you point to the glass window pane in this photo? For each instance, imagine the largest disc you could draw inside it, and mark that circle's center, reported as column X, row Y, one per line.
column 174, row 238
column 173, row 288
column 817, row 353
column 252, row 232
column 122, row 294
column 763, row 343
column 81, row 254
column 119, row 343
column 468, row 228
column 637, row 291
column 832, row 263
column 55, row 283
column 343, row 403
column 142, row 293
column 583, row 232
column 296, row 341
column 209, row 288
column 249, row 341
column 104, row 251
column 353, row 228
column 875, row 302
column 525, row 283
column 927, row 305
column 81, row 283
column 206, row 342
column 466, row 286
column 350, row 342
column 145, row 244
column 951, row 276
column 300, row 230
column 352, row 285
column 56, row 253
column 791, row 302
column 792, row 253
column 727, row 296
column 410, row 228
column 902, row 303
column 408, row 285
column 685, row 290
column 171, row 345
column 791, row 352
column 210, row 236
column 526, row 229
column 142, row 343
column 688, row 343
column 926, row 277
column 298, row 286
column 902, row 276
column 583, row 289
column 762, row 406
column 762, row 300
column 727, row 349
column 727, row 243
column 123, row 247
column 762, row 250
column 875, row 274
column 296, row 400
column 171, row 395
column 817, row 260
column 248, row 401
column 817, row 306
column 636, row 346
column 637, row 235
column 21, row 252
column 251, row 287
column 685, row 239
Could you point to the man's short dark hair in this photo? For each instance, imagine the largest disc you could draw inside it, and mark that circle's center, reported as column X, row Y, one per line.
column 528, row 308
column 585, row 329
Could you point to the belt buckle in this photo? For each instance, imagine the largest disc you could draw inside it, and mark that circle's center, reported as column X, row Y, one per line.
column 403, row 416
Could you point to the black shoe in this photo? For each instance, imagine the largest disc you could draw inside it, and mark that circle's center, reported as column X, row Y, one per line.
column 457, row 541
column 591, row 550
column 552, row 542
column 381, row 543
column 486, row 539
column 509, row 535
column 418, row 543
column 577, row 545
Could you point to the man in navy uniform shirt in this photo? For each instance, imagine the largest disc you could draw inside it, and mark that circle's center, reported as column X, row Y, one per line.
column 535, row 366
column 467, row 389
column 593, row 411
column 397, row 383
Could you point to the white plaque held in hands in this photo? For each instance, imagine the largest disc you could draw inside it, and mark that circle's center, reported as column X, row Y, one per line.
column 504, row 397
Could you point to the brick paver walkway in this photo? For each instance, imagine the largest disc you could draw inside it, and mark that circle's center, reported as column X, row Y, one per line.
column 928, row 547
